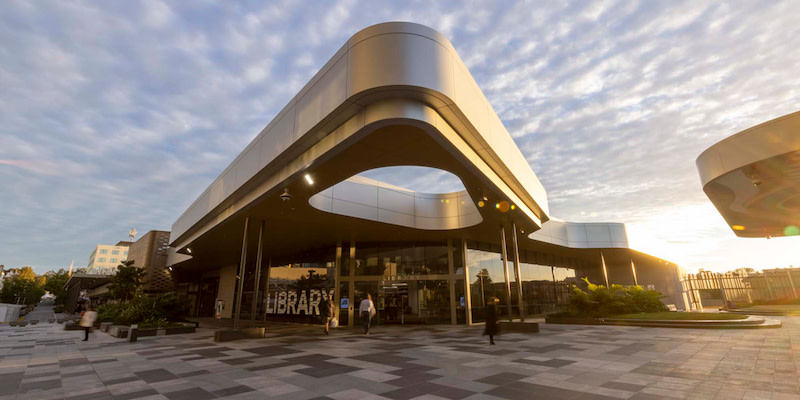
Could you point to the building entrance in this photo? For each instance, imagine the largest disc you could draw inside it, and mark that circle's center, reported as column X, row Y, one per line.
column 393, row 304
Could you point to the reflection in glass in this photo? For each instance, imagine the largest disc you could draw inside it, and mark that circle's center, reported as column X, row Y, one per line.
column 487, row 281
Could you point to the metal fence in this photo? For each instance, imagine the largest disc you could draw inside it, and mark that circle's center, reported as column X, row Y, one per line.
column 708, row 289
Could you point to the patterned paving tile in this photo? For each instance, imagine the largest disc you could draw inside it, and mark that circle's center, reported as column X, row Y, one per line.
column 423, row 362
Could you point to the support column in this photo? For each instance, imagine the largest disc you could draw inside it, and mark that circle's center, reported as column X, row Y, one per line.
column 352, row 286
column 518, row 274
column 257, row 281
column 451, row 282
column 242, row 269
column 605, row 271
column 505, row 270
column 467, row 289
column 337, row 290
column 633, row 271
column 266, row 288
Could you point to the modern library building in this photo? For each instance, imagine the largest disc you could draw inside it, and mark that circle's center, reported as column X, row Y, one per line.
column 294, row 218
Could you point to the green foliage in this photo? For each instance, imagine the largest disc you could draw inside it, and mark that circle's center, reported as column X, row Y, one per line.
column 151, row 310
column 127, row 282
column 601, row 301
column 22, row 288
column 55, row 284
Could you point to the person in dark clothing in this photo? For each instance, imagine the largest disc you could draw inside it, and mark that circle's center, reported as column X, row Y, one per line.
column 491, row 320
column 326, row 312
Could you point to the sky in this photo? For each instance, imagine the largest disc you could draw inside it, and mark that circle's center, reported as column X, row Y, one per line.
column 116, row 115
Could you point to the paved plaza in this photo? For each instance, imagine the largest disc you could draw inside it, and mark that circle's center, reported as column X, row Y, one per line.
column 444, row 362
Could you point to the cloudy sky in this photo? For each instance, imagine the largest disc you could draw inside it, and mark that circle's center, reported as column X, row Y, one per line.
column 119, row 114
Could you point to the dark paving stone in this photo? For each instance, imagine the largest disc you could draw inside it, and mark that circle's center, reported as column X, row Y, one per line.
column 271, row 351
column 102, row 395
column 410, row 369
column 40, row 385
column 502, row 378
column 554, row 363
column 233, row 390
column 73, row 361
column 522, row 390
column 263, row 367
column 646, row 396
column 240, row 361
column 383, row 358
column 411, row 379
column 318, row 372
column 453, row 393
column 156, row 375
column 190, row 394
column 79, row 373
column 194, row 373
column 136, row 395
column 623, row 386
column 121, row 380
column 37, row 374
column 592, row 396
column 413, row 391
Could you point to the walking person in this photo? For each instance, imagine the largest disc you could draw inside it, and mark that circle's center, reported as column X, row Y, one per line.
column 491, row 320
column 326, row 312
column 87, row 321
column 367, row 310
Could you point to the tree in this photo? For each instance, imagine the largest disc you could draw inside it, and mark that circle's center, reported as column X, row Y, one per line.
column 55, row 284
column 127, row 282
column 19, row 290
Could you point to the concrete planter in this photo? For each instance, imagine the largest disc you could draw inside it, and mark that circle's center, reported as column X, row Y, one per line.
column 119, row 331
column 135, row 332
column 105, row 325
column 573, row 320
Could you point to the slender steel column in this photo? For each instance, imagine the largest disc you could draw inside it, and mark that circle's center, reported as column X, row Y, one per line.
column 451, row 282
column 242, row 269
column 337, row 281
column 505, row 271
column 633, row 271
column 518, row 274
column 605, row 271
column 352, row 286
column 467, row 289
column 257, row 281
column 266, row 288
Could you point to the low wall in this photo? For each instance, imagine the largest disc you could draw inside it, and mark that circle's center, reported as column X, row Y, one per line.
column 9, row 312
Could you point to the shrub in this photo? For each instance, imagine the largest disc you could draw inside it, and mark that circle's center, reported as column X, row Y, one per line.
column 601, row 301
column 153, row 310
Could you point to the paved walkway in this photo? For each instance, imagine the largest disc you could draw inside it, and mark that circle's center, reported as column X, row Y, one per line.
column 42, row 312
column 561, row 362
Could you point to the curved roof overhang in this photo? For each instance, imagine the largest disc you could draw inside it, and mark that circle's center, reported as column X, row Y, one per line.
column 401, row 82
column 753, row 178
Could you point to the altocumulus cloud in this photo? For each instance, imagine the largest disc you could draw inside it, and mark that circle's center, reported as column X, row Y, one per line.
column 119, row 115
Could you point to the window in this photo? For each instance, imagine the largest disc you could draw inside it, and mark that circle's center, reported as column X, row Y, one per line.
column 113, row 260
column 125, row 253
column 103, row 251
column 101, row 259
column 114, row 252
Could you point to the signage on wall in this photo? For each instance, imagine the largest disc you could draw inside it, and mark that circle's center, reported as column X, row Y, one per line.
column 295, row 302
column 345, row 303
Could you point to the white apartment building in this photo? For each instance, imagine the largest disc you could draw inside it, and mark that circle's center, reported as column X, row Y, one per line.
column 105, row 258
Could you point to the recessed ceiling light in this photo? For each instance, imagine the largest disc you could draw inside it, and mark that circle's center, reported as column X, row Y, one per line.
column 309, row 180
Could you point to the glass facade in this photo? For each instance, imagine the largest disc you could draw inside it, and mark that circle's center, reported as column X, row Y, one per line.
column 295, row 289
column 546, row 281
column 423, row 282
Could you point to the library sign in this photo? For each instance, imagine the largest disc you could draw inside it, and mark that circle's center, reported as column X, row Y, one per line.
column 296, row 302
